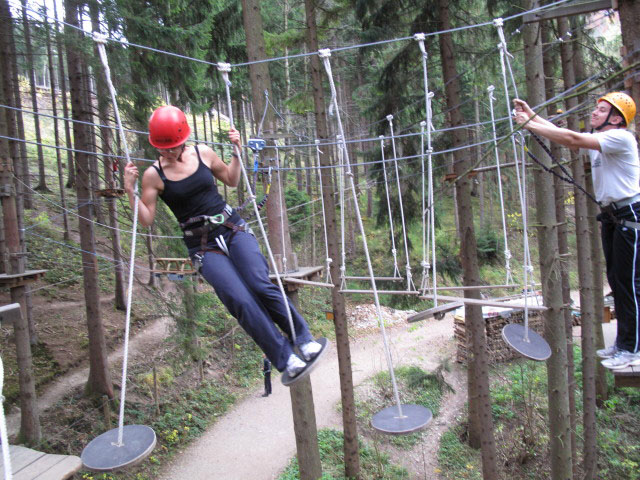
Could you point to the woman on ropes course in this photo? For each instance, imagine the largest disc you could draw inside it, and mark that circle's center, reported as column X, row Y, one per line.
column 220, row 244
column 615, row 170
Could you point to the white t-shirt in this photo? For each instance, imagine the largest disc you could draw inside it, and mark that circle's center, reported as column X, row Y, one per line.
column 616, row 169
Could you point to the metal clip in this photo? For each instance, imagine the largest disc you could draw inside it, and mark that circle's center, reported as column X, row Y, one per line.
column 256, row 144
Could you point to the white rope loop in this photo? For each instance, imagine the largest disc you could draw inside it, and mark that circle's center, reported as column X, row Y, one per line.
column 396, row 270
column 507, row 253
column 410, row 285
column 324, row 215
column 327, row 65
column 224, row 69
column 4, row 437
column 100, row 41
column 282, row 207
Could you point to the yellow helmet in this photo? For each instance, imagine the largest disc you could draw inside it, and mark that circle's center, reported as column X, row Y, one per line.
column 623, row 103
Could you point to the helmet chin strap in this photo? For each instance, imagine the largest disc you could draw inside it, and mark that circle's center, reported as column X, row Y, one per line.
column 606, row 121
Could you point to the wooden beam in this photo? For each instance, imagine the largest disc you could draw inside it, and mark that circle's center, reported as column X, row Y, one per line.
column 629, row 377
column 488, row 302
column 440, row 309
column 10, row 313
column 577, row 8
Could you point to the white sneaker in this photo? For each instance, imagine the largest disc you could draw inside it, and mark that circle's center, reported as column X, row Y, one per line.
column 607, row 352
column 295, row 365
column 622, row 359
column 309, row 350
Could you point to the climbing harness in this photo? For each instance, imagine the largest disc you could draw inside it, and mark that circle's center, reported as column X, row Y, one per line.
column 202, row 225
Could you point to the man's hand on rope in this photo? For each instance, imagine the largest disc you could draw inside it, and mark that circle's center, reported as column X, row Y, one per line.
column 522, row 113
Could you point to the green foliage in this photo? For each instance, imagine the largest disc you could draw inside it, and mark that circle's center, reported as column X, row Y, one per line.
column 456, row 458
column 488, row 245
column 297, row 201
column 373, row 464
column 448, row 256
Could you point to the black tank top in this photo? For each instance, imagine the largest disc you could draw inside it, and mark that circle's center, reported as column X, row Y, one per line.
column 192, row 196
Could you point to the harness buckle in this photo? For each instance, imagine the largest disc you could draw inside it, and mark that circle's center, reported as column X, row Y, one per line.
column 216, row 219
column 197, row 261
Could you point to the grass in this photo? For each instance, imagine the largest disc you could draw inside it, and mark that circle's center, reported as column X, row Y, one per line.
column 415, row 387
column 373, row 464
column 520, row 411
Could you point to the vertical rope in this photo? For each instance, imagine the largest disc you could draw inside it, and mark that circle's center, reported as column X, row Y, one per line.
column 324, row 55
column 101, row 41
column 324, row 215
column 410, row 285
column 394, row 251
column 504, row 59
column 343, row 206
column 424, row 284
column 428, row 96
column 224, row 69
column 282, row 208
column 507, row 252
column 4, row 438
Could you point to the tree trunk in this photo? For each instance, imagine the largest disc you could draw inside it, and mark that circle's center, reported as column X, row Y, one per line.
column 301, row 398
column 351, row 456
column 585, row 273
column 103, row 95
column 629, row 13
column 42, row 182
column 468, row 251
column 560, row 186
column 29, row 418
column 559, row 421
column 99, row 382
column 56, row 131
column 71, row 175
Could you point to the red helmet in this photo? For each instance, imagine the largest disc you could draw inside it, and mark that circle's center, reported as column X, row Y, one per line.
column 168, row 127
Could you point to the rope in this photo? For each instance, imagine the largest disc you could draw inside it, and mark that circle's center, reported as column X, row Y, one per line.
column 324, row 218
column 507, row 252
column 424, row 284
column 299, row 55
column 224, row 69
column 343, row 206
column 324, row 55
column 396, row 270
column 100, row 41
column 428, row 123
column 504, row 59
column 410, row 285
column 6, row 458
column 282, row 202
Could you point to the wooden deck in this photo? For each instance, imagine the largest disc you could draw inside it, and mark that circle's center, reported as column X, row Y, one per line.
column 28, row 464
column 627, row 377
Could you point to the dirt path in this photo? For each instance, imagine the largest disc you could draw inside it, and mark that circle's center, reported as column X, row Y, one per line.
column 143, row 342
column 256, row 438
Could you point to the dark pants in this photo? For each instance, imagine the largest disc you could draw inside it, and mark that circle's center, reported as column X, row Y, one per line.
column 267, row 383
column 241, row 281
column 622, row 254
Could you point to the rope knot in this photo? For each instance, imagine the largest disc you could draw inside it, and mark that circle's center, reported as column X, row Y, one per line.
column 99, row 38
column 498, row 22
column 324, row 53
column 389, row 118
column 329, row 261
column 419, row 37
column 224, row 67
column 423, row 124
